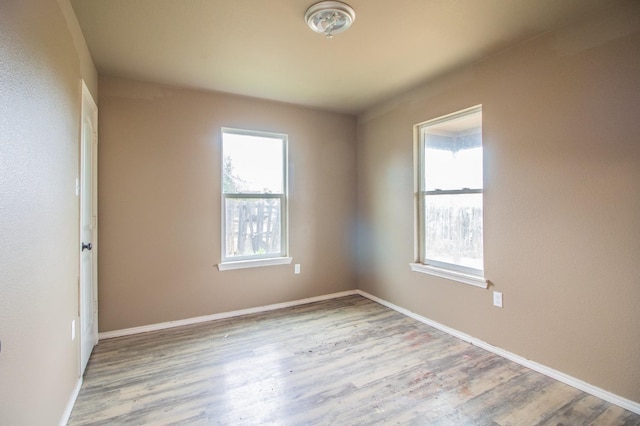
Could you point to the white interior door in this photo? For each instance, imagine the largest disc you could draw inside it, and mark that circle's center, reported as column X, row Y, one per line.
column 88, row 228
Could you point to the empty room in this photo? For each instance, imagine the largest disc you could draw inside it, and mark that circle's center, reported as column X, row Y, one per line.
column 297, row 212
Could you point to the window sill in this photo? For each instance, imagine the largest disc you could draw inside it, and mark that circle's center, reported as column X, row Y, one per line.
column 450, row 275
column 243, row 264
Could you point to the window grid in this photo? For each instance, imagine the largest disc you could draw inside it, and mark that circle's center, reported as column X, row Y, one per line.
column 254, row 222
column 460, row 227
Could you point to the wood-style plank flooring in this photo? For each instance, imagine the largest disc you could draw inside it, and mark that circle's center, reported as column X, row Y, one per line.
column 346, row 361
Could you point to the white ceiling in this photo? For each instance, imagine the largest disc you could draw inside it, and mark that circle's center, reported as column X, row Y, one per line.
column 263, row 48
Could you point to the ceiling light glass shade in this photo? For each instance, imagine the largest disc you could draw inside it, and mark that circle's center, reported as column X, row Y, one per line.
column 330, row 17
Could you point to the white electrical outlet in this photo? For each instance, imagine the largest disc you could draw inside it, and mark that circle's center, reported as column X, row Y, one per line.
column 497, row 299
column 296, row 268
column 73, row 330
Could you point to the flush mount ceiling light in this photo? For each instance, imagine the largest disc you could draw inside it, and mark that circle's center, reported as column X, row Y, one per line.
column 330, row 17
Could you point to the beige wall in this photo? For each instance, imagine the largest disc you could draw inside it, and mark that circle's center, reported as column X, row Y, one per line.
column 87, row 67
column 159, row 198
column 562, row 203
column 40, row 94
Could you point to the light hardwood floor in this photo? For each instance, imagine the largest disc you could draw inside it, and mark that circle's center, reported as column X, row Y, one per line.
column 346, row 361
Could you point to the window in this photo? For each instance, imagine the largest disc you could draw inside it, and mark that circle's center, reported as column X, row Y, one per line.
column 450, row 239
column 254, row 199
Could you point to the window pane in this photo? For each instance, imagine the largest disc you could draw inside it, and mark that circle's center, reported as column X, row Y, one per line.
column 252, row 164
column 253, row 226
column 450, row 169
column 452, row 152
column 453, row 229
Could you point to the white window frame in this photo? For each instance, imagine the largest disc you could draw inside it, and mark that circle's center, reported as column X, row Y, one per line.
column 258, row 260
column 423, row 264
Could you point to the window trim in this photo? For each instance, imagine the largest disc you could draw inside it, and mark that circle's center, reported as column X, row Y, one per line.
column 268, row 259
column 450, row 274
column 445, row 270
column 254, row 263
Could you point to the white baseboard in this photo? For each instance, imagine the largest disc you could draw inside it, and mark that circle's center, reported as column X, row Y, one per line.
column 224, row 315
column 547, row 371
column 72, row 401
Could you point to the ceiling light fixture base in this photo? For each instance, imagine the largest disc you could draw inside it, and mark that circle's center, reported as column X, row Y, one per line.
column 329, row 17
